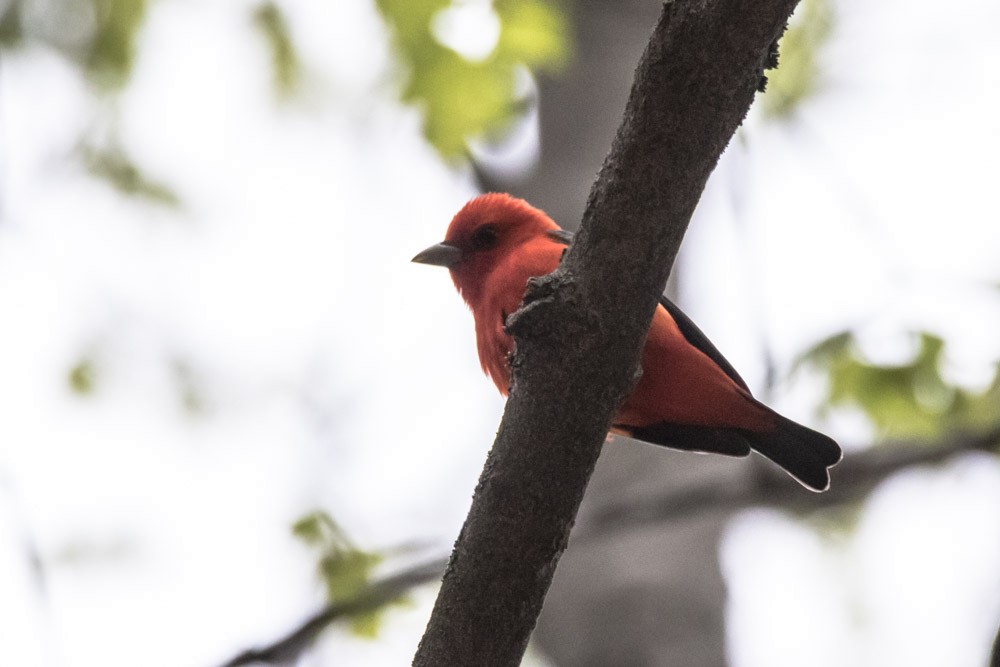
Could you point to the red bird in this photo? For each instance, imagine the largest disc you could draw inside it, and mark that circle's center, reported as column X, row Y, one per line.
column 689, row 396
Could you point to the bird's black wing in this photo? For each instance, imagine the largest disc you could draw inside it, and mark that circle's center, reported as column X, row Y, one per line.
column 698, row 339
column 689, row 329
column 805, row 454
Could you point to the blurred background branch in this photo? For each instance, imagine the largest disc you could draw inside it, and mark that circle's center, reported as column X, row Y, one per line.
column 761, row 485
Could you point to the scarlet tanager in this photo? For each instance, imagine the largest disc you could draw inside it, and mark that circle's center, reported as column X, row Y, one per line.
column 688, row 397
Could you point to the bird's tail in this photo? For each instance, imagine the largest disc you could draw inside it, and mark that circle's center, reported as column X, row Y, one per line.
column 804, row 453
column 691, row 438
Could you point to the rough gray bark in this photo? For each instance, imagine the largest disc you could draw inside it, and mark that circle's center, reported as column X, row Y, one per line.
column 571, row 368
column 654, row 593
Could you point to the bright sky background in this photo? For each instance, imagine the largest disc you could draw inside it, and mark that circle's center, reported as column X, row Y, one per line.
column 338, row 375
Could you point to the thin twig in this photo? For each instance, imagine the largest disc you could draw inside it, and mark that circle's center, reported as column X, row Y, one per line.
column 289, row 647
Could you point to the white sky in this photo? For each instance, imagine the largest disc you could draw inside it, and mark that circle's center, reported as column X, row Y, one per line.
column 339, row 375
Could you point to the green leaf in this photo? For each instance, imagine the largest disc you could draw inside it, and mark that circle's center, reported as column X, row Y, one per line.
column 82, row 376
column 979, row 411
column 314, row 528
column 366, row 625
column 909, row 400
column 287, row 70
column 797, row 76
column 111, row 52
column 344, row 569
column 115, row 167
column 532, row 32
column 410, row 21
column 460, row 99
column 826, row 351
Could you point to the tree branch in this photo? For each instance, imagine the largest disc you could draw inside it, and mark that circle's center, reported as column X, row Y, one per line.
column 287, row 649
column 763, row 485
column 580, row 330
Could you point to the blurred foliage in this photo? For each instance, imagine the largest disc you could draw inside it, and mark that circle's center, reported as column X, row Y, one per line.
column 910, row 400
column 836, row 524
column 98, row 36
column 90, row 550
column 190, row 388
column 344, row 569
column 287, row 69
column 117, row 168
column 10, row 25
column 797, row 76
column 81, row 376
column 111, row 51
column 463, row 98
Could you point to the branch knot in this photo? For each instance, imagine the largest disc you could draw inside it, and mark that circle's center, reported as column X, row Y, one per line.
column 529, row 320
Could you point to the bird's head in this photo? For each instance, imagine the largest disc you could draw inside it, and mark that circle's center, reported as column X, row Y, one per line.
column 486, row 231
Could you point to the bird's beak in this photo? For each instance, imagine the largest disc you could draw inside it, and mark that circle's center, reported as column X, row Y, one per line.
column 441, row 254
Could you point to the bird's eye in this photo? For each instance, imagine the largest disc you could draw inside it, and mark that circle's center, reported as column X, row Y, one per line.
column 484, row 237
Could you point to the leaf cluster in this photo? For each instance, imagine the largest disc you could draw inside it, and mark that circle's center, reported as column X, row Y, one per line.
column 463, row 98
column 913, row 399
column 345, row 570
